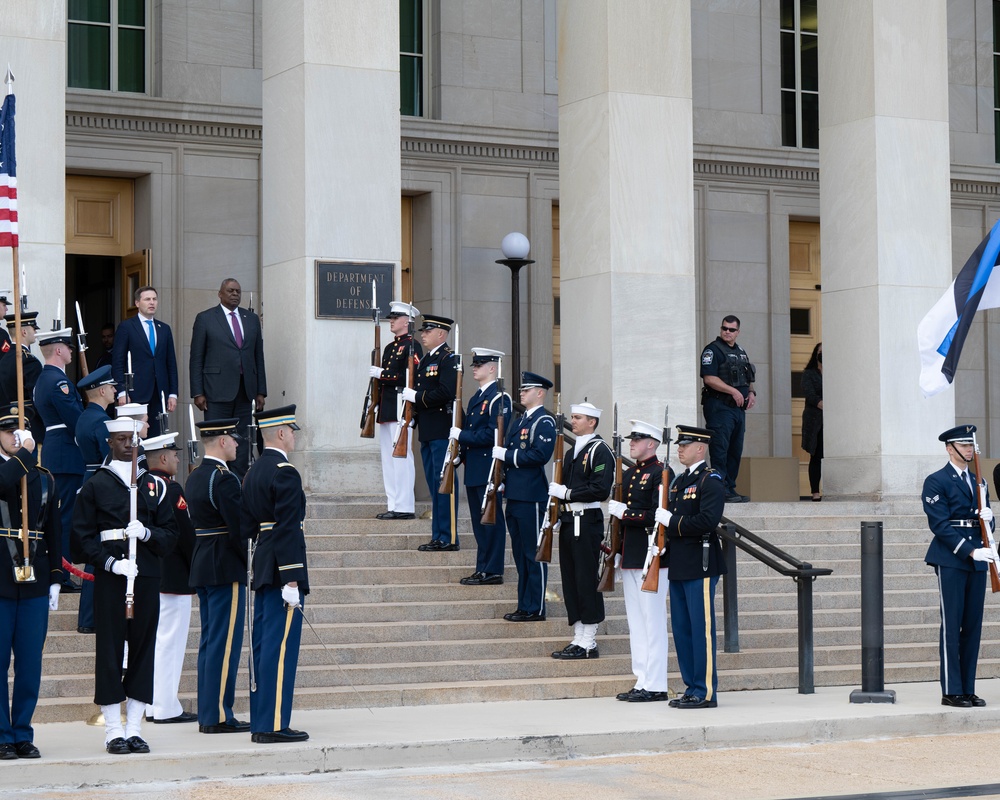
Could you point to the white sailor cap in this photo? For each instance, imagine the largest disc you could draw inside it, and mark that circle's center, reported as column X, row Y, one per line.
column 400, row 309
column 61, row 336
column 121, row 425
column 165, row 441
column 643, row 430
column 131, row 410
column 587, row 409
column 483, row 355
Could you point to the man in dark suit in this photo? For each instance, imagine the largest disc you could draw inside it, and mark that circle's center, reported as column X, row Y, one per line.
column 227, row 365
column 154, row 363
column 960, row 562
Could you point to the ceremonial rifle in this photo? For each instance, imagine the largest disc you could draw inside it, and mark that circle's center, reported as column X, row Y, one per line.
column 162, row 416
column 133, row 514
column 252, row 425
column 984, row 527
column 374, row 395
column 81, row 342
column 193, row 441
column 25, row 573
column 606, row 582
column 658, row 537
column 405, row 416
column 446, row 482
column 544, row 552
column 488, row 510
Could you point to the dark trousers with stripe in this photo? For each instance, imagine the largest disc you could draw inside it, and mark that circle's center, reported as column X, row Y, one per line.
column 579, row 563
column 523, row 521
column 962, row 595
column 433, row 454
column 692, row 621
column 67, row 487
column 490, row 539
column 277, row 632
column 223, row 615
column 23, row 625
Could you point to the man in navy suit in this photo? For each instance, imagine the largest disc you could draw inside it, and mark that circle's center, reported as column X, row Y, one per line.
column 960, row 562
column 154, row 363
column 227, row 365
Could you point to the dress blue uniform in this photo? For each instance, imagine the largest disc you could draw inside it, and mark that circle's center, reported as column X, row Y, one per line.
column 951, row 510
column 219, row 573
column 272, row 513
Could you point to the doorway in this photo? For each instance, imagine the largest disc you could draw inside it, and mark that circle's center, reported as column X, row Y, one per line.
column 805, row 324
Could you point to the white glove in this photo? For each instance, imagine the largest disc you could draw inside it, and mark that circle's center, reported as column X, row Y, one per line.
column 456, row 460
column 54, row 597
column 454, row 433
column 663, row 517
column 618, row 560
column 983, row 554
column 22, row 436
column 986, row 515
column 125, row 568
column 499, row 453
column 290, row 594
column 136, row 530
column 617, row 509
column 375, row 372
column 557, row 490
column 410, row 395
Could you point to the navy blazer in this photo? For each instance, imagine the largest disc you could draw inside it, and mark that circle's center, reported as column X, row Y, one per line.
column 946, row 497
column 216, row 360
column 153, row 373
column 479, row 432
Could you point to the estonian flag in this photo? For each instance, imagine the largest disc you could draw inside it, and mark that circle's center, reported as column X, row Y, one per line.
column 942, row 332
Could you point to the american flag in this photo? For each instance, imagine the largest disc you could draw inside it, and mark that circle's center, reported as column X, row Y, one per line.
column 8, row 175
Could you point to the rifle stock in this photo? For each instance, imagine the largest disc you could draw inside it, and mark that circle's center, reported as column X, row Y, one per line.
column 544, row 552
column 133, row 497
column 984, row 528
column 651, row 576
column 489, row 509
column 402, row 445
column 374, row 395
column 447, row 483
column 607, row 580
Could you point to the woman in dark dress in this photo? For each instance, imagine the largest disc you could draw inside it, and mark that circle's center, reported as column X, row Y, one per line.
column 812, row 418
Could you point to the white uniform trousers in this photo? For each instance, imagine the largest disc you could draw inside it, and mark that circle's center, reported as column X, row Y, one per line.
column 398, row 474
column 647, row 629
column 168, row 660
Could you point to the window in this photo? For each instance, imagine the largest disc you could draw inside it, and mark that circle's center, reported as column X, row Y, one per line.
column 411, row 58
column 106, row 42
column 799, row 74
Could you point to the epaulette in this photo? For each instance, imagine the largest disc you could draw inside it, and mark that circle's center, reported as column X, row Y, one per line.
column 286, row 464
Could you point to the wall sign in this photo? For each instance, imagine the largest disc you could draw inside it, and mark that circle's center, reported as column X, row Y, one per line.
column 344, row 288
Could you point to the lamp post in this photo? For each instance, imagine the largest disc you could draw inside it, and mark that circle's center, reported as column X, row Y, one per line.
column 515, row 247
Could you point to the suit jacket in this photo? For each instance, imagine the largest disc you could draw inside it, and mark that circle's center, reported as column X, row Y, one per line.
column 154, row 373
column 946, row 497
column 480, row 429
column 216, row 360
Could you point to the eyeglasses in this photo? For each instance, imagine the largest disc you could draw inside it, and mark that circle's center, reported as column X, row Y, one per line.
column 729, row 330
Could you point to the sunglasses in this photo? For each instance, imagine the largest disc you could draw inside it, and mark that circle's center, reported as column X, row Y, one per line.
column 729, row 330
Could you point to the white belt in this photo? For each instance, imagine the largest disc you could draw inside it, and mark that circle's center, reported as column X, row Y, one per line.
column 54, row 427
column 578, row 507
column 113, row 535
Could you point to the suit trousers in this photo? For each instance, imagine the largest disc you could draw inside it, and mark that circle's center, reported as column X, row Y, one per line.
column 647, row 629
column 727, row 424
column 490, row 539
column 524, row 520
column 692, row 621
column 168, row 660
column 398, row 474
column 962, row 595
column 240, row 407
column 277, row 633
column 223, row 615
column 23, row 625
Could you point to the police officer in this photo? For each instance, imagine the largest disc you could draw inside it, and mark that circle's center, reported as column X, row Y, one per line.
column 31, row 367
column 960, row 562
column 271, row 515
column 526, row 450
column 175, row 591
column 587, row 478
column 728, row 393
column 58, row 403
column 436, row 378
column 398, row 474
column 24, row 606
column 695, row 504
column 102, row 528
column 646, row 611
column 477, row 438
column 219, row 572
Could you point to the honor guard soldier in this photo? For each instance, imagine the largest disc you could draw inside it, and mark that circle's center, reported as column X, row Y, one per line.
column 477, row 440
column 175, row 591
column 527, row 448
column 271, row 516
column 587, row 479
column 432, row 397
column 5, row 341
column 695, row 503
column 398, row 474
column 102, row 529
column 219, row 572
column 25, row 606
column 59, row 405
column 31, row 367
column 646, row 611
column 960, row 562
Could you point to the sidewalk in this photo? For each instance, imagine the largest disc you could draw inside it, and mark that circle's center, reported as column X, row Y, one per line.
column 476, row 733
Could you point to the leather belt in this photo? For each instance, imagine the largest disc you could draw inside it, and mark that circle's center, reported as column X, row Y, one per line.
column 113, row 535
column 210, row 531
column 964, row 523
column 579, row 508
column 55, row 427
column 15, row 533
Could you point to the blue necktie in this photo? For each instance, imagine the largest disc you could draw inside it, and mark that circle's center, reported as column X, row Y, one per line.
column 152, row 336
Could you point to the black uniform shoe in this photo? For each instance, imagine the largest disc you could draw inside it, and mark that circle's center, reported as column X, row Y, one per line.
column 136, row 744
column 70, row 588
column 575, row 653
column 117, row 747
column 510, row 617
column 278, row 737
column 976, row 700
column 526, row 616
column 7, row 752
column 184, row 716
column 85, row 629
column 385, row 515
column 561, row 653
column 626, row 696
column 475, row 579
column 400, row 515
column 448, row 547
column 956, row 700
column 229, row 726
column 736, row 498
column 646, row 696
column 431, row 547
column 677, row 701
column 690, row 701
column 26, row 750
column 490, row 579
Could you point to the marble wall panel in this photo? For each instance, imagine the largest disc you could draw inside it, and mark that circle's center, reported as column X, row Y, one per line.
column 468, row 106
column 241, row 87
column 489, row 63
column 351, row 34
column 736, row 236
column 209, row 257
column 193, row 83
column 518, row 110
column 221, row 205
column 223, row 38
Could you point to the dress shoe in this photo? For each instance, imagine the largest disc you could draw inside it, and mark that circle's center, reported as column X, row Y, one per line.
column 431, row 547
column 385, row 515
column 527, row 616
column 474, row 579
column 229, row 726
column 136, row 744
column 976, row 700
column 26, row 750
column 491, row 579
column 117, row 747
column 7, row 752
column 70, row 588
column 575, row 653
column 184, row 716
column 85, row 629
column 645, row 696
column 448, row 547
column 625, row 696
column 737, row 498
column 691, row 701
column 561, row 653
column 278, row 737
column 677, row 701
column 956, row 700
column 400, row 515
column 510, row 617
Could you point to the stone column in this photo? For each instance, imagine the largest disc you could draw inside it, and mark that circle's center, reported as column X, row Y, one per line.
column 331, row 190
column 886, row 238
column 627, row 208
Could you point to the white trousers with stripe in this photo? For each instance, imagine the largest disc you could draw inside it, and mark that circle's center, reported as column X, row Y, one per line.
column 647, row 629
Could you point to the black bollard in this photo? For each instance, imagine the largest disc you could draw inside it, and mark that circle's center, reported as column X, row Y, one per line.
column 872, row 620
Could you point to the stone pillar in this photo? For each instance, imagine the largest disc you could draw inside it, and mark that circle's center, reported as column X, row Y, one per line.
column 886, row 238
column 331, row 190
column 626, row 202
